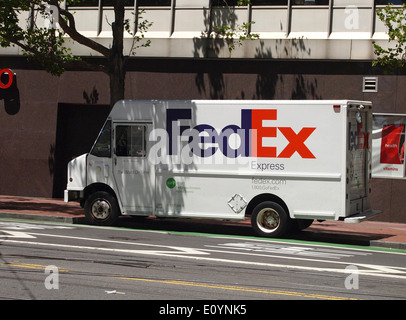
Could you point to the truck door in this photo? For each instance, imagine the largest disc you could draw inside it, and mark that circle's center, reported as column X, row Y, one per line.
column 358, row 146
column 133, row 175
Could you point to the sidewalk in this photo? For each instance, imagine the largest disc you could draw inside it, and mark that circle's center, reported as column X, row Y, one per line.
column 44, row 209
column 368, row 233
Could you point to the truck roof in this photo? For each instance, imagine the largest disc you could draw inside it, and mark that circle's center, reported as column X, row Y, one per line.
column 141, row 109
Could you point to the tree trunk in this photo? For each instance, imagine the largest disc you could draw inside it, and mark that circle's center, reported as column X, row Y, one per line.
column 116, row 59
column 117, row 78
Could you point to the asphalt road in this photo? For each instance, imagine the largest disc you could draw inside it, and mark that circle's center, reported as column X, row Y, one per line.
column 61, row 261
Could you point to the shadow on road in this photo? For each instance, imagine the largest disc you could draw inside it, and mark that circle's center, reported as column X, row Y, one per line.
column 243, row 228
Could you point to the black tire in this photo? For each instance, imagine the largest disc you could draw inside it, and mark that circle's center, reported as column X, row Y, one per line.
column 101, row 209
column 269, row 219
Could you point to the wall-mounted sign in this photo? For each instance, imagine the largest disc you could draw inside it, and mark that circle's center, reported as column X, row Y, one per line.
column 6, row 78
column 388, row 145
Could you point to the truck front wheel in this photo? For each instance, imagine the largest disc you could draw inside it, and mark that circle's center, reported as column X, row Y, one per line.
column 101, row 208
column 269, row 219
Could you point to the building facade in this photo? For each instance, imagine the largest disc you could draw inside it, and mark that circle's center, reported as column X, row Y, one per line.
column 307, row 49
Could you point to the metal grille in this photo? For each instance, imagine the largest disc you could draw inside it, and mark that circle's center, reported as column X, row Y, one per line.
column 370, row 84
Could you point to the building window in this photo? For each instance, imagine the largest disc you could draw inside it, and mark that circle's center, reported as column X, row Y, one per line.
column 83, row 3
column 386, row 2
column 223, row 3
column 311, row 2
column 370, row 84
column 110, row 3
column 230, row 3
column 269, row 2
column 154, row 3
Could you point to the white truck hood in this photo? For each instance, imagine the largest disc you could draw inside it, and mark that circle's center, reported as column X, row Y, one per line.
column 77, row 173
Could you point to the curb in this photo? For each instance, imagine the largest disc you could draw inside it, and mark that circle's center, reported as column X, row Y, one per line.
column 41, row 217
column 388, row 244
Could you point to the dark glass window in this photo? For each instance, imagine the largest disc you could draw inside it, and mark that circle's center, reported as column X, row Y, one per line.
column 311, row 2
column 95, row 3
column 219, row 3
column 102, row 147
column 269, row 2
column 131, row 141
column 385, row 2
column 82, row 3
column 151, row 3
column 222, row 3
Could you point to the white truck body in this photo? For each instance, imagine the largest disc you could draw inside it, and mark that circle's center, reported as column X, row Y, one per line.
column 222, row 159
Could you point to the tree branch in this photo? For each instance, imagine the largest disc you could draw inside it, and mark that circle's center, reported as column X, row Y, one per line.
column 81, row 64
column 84, row 65
column 70, row 29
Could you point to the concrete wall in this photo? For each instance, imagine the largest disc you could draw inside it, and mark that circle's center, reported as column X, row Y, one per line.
column 344, row 29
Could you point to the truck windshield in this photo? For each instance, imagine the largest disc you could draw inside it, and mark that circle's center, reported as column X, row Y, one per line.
column 102, row 146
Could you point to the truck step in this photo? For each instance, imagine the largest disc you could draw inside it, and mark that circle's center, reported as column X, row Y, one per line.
column 359, row 217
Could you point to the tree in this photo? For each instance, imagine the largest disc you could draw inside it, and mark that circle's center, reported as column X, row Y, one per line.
column 392, row 58
column 47, row 44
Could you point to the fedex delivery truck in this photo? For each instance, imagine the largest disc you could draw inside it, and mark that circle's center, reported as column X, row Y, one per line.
column 282, row 163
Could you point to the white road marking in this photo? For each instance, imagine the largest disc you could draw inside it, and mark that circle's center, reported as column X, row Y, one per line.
column 30, row 226
column 177, row 250
column 14, row 234
column 197, row 254
column 288, row 249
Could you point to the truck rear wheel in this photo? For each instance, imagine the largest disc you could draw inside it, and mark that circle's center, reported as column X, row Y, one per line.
column 101, row 208
column 269, row 219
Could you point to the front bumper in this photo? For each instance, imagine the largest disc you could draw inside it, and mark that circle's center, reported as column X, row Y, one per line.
column 72, row 195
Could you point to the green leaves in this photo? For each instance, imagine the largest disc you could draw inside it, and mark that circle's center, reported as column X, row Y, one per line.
column 47, row 47
column 33, row 35
column 139, row 34
column 27, row 24
column 233, row 33
column 392, row 58
column 234, row 36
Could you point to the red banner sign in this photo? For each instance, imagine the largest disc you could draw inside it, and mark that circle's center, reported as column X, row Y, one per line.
column 391, row 150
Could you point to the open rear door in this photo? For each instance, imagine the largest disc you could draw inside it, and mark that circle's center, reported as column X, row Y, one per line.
column 358, row 160
column 359, row 165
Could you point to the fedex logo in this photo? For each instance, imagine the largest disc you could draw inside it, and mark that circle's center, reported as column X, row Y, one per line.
column 205, row 140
